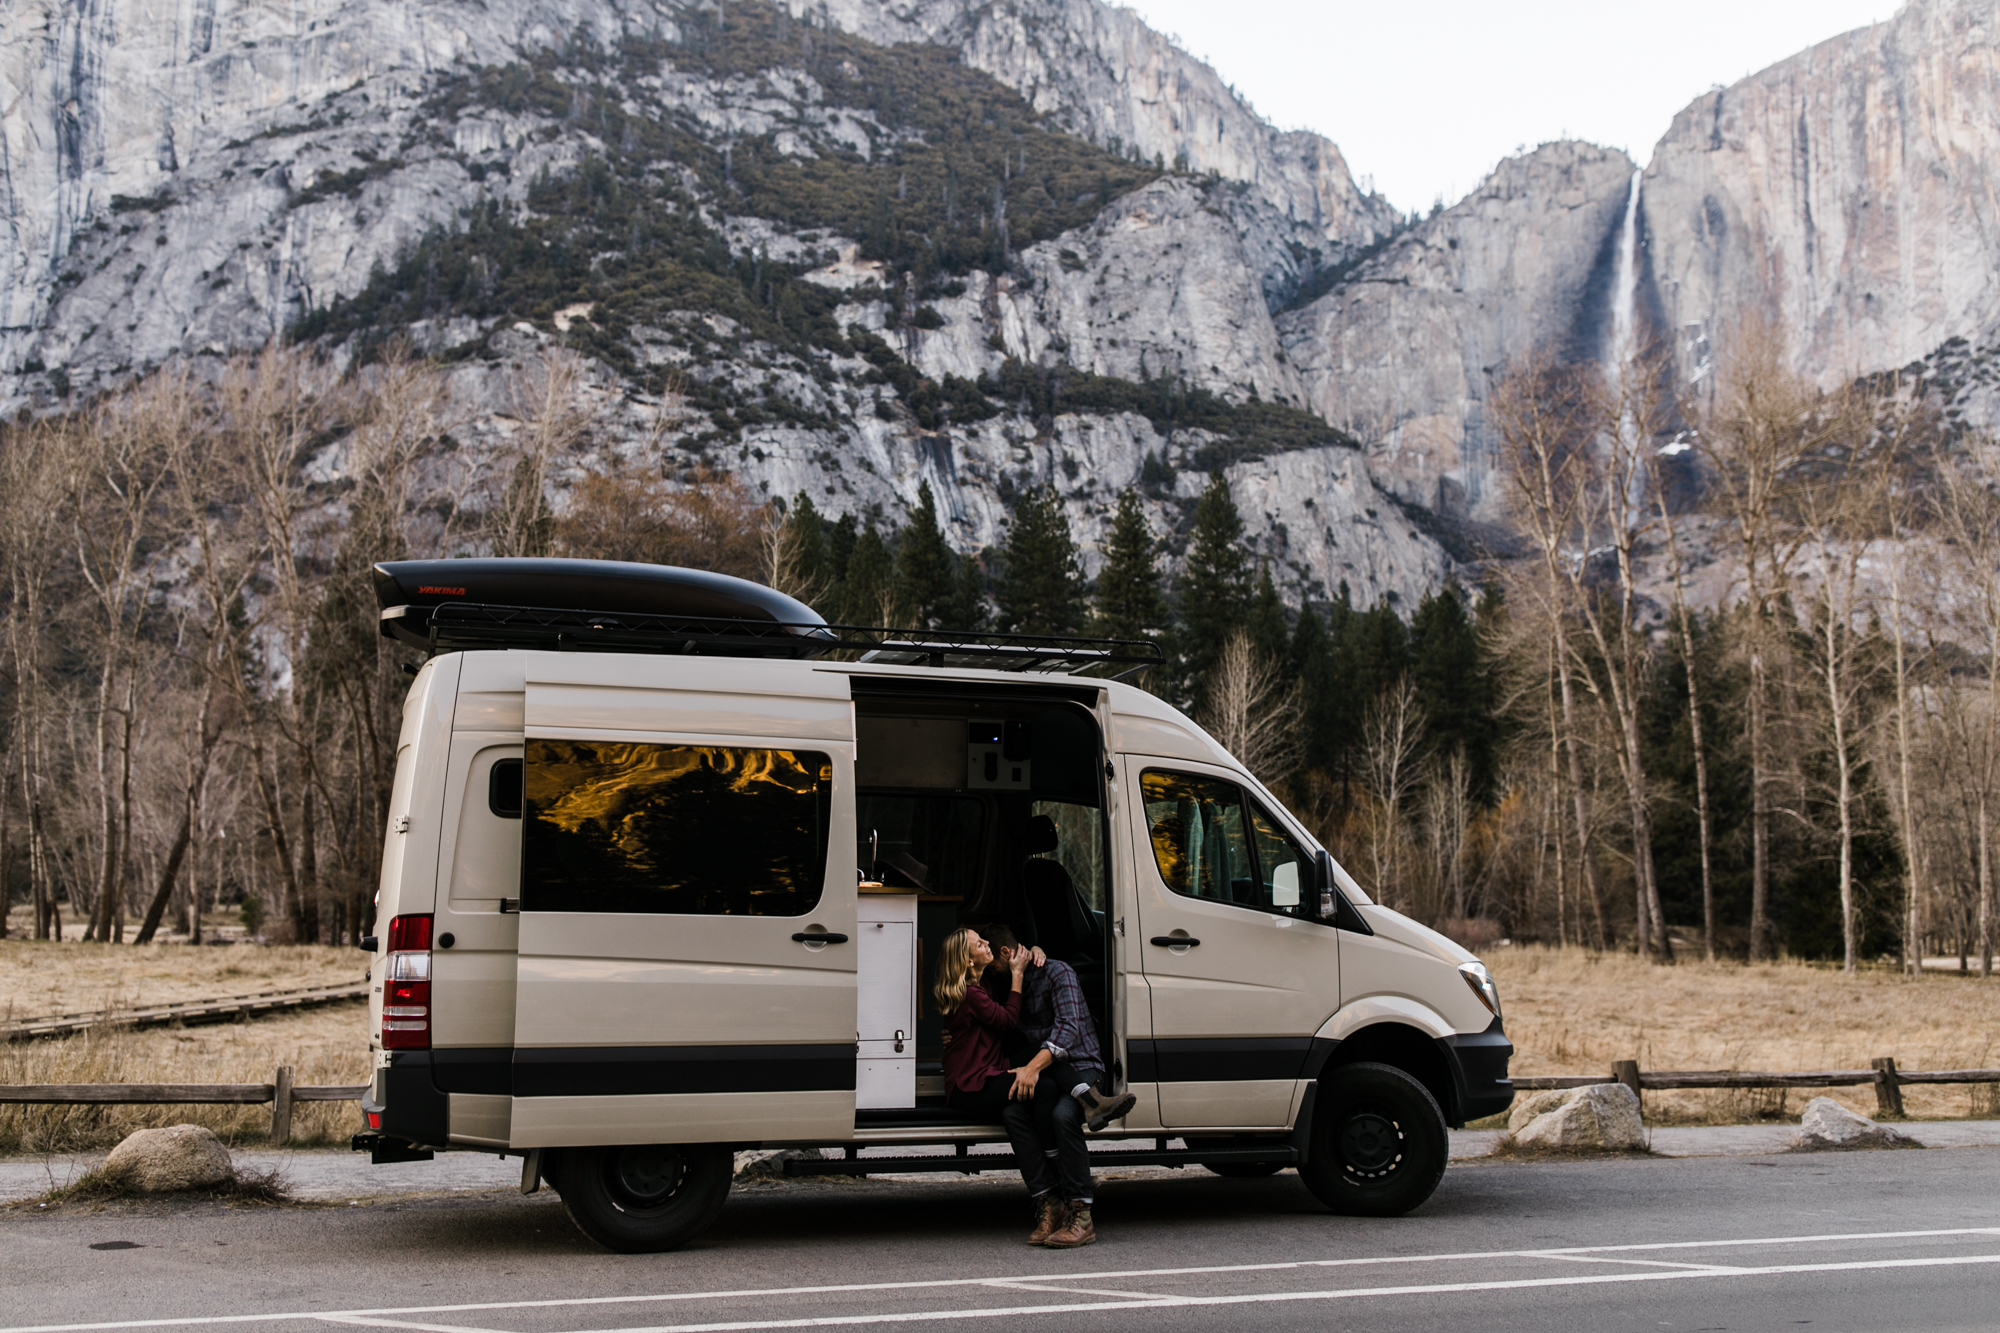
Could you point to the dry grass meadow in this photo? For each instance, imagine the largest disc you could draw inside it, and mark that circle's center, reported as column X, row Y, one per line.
column 1568, row 1010
column 1571, row 1011
column 323, row 1046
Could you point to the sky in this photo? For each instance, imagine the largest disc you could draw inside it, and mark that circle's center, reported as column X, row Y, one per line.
column 1425, row 98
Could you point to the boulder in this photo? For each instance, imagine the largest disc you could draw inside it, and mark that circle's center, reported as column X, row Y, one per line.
column 1603, row 1116
column 1827, row 1126
column 764, row 1165
column 161, row 1161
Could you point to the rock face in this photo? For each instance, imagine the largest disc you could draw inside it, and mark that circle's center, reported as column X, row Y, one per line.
column 1827, row 1126
column 1843, row 195
column 1112, row 79
column 1403, row 353
column 1603, row 1116
column 190, row 184
column 163, row 1161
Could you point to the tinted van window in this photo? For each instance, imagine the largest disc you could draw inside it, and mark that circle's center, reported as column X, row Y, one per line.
column 694, row 830
column 1212, row 841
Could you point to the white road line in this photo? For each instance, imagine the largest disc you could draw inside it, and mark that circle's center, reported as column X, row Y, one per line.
column 1272, row 1298
column 403, row 1323
column 939, row 1284
column 1644, row 1263
column 1085, row 1291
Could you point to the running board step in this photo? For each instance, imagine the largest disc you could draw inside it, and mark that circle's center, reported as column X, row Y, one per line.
column 972, row 1164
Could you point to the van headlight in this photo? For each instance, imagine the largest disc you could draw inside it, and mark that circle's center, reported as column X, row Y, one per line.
column 1481, row 981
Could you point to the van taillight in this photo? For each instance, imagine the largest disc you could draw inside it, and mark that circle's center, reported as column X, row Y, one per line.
column 406, row 985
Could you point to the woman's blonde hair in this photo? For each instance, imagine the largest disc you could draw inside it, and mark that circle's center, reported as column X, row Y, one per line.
column 955, row 970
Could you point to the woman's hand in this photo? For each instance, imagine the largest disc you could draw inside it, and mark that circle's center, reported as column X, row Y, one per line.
column 1037, row 957
column 1017, row 963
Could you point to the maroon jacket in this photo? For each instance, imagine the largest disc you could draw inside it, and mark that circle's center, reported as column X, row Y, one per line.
column 972, row 1052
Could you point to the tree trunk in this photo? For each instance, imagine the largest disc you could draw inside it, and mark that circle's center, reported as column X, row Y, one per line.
column 1760, row 813
column 100, row 912
column 1985, row 926
column 1587, row 865
column 168, row 874
column 124, row 815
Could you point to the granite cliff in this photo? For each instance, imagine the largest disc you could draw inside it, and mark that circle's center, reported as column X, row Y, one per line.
column 847, row 246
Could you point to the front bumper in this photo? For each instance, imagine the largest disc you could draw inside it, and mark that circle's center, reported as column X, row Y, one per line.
column 1478, row 1063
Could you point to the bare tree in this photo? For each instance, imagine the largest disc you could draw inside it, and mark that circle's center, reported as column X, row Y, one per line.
column 1684, row 627
column 1251, row 710
column 553, row 415
column 1392, row 743
column 1764, row 425
column 1545, row 419
column 1968, row 521
column 32, row 459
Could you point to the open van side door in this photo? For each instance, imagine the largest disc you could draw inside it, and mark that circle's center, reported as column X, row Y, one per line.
column 686, row 971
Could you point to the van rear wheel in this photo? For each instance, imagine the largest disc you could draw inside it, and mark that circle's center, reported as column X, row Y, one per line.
column 1379, row 1142
column 643, row 1198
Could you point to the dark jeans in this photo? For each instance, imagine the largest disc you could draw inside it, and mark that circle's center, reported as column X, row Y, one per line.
column 1047, row 1135
column 985, row 1102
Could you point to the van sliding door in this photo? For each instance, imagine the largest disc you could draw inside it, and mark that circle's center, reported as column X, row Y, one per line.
column 686, row 967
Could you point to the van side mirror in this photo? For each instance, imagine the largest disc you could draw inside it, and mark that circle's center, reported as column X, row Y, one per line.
column 1334, row 907
column 1285, row 885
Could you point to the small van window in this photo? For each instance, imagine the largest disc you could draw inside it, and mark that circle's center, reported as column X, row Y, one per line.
column 686, row 829
column 503, row 788
column 1212, row 841
column 932, row 843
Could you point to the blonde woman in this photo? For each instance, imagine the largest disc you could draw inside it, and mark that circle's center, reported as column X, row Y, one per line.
column 977, row 1077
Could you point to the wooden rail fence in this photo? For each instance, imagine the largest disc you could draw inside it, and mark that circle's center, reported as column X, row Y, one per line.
column 222, row 1010
column 1887, row 1080
column 280, row 1092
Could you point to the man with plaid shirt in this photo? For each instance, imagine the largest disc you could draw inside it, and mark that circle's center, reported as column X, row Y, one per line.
column 1055, row 1036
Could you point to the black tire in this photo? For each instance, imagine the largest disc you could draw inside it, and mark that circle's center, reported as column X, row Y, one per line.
column 1245, row 1170
column 643, row 1198
column 1379, row 1142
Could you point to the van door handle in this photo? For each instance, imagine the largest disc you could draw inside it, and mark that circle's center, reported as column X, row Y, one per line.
column 1175, row 941
column 827, row 937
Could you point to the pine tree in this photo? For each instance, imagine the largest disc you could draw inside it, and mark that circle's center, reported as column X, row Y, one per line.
column 1129, row 603
column 1215, row 584
column 967, row 611
column 1311, row 662
column 1041, row 586
column 1268, row 634
column 868, row 591
column 840, row 540
column 1450, row 672
column 923, row 566
column 803, row 566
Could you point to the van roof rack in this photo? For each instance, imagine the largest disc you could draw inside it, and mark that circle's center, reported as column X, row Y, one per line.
column 458, row 626
column 453, row 605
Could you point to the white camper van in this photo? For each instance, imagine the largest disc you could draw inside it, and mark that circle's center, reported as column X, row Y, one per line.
column 669, row 861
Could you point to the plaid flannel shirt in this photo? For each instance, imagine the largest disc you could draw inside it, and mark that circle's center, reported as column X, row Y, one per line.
column 1054, row 1017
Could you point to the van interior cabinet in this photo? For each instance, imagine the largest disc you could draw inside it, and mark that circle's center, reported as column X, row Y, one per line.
column 886, row 1002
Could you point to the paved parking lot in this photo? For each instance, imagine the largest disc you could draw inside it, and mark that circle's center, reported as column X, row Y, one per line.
column 1864, row 1240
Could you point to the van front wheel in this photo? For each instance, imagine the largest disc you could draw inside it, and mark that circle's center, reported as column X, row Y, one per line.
column 1379, row 1142
column 643, row 1198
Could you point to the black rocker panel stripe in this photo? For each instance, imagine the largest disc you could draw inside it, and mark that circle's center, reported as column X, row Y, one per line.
column 1216, row 1059
column 623, row 1071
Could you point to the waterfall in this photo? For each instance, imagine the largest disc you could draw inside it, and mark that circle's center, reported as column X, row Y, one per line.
column 1625, row 289
column 1619, row 351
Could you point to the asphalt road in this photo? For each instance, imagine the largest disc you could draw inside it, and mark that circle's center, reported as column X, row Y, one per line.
column 1902, row 1240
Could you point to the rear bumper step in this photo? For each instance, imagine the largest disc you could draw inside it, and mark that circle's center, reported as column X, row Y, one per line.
column 972, row 1164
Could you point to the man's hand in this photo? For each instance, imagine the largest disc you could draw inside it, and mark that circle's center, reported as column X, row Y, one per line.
column 1028, row 1075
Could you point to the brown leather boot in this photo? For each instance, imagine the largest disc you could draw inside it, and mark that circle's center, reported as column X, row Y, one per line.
column 1076, row 1231
column 1103, row 1110
column 1050, row 1216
